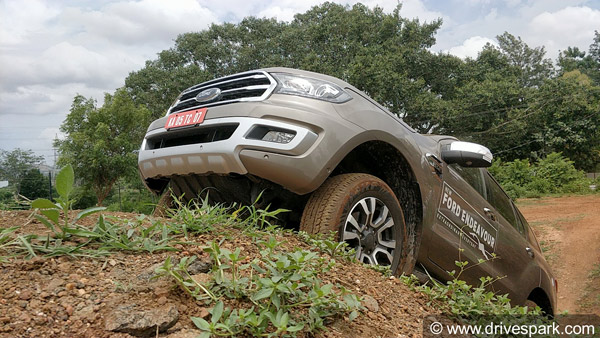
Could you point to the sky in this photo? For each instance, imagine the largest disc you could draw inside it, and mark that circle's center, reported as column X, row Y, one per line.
column 52, row 50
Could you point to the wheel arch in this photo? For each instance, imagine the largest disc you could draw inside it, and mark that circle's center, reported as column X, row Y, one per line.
column 539, row 296
column 388, row 163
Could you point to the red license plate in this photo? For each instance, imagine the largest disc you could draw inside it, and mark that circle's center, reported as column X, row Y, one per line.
column 186, row 118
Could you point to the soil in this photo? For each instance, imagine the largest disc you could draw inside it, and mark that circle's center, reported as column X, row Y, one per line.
column 67, row 297
column 568, row 229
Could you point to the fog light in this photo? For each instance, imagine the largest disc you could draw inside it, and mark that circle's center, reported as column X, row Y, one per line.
column 278, row 136
column 271, row 134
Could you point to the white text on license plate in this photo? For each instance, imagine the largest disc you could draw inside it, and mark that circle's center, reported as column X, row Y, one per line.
column 186, row 118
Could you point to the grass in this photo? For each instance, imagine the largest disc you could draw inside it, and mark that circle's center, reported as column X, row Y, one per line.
column 277, row 293
column 590, row 299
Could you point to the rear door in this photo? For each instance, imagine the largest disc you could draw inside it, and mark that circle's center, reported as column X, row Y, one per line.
column 515, row 262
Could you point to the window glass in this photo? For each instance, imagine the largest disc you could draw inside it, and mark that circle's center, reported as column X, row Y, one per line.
column 530, row 235
column 500, row 201
column 472, row 176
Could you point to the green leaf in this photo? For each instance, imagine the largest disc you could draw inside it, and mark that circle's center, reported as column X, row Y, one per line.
column 353, row 315
column 64, row 181
column 27, row 246
column 217, row 312
column 51, row 214
column 201, row 324
column 88, row 211
column 295, row 328
column 263, row 293
column 42, row 203
column 82, row 232
column 45, row 222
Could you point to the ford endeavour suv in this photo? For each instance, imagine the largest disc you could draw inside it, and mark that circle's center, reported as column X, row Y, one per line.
column 341, row 162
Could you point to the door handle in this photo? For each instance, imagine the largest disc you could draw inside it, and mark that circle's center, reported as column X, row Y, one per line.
column 530, row 252
column 489, row 213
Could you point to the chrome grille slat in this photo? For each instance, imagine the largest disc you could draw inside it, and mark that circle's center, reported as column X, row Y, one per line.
column 207, row 85
column 249, row 86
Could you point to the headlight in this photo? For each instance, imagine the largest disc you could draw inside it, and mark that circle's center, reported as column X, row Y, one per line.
column 174, row 104
column 308, row 87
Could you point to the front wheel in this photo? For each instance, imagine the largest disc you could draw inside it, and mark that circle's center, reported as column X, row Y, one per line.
column 364, row 212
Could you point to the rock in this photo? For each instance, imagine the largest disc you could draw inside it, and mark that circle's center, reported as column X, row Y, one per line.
column 70, row 286
column 370, row 303
column 147, row 274
column 161, row 291
column 142, row 323
column 162, row 300
column 185, row 333
column 25, row 295
column 69, row 309
column 204, row 313
column 202, row 278
column 199, row 266
column 54, row 284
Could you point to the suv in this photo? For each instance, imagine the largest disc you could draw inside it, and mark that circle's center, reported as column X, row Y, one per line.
column 341, row 162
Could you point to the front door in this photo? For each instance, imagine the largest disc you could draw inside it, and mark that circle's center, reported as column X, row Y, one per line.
column 463, row 230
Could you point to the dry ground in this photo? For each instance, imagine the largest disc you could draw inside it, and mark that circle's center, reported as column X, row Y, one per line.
column 65, row 297
column 568, row 229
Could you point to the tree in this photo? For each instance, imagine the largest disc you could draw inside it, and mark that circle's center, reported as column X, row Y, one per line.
column 34, row 184
column 534, row 68
column 15, row 164
column 385, row 55
column 589, row 64
column 100, row 143
column 568, row 120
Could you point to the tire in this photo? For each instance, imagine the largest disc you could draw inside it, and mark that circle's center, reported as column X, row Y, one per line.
column 164, row 204
column 364, row 212
column 531, row 305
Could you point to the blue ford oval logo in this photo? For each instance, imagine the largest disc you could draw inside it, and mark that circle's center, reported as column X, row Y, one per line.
column 208, row 95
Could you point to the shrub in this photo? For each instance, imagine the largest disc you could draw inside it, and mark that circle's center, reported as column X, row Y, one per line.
column 554, row 174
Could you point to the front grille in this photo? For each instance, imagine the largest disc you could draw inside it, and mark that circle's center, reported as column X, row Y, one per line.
column 249, row 86
column 191, row 136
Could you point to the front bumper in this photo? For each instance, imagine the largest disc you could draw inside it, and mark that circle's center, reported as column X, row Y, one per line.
column 227, row 156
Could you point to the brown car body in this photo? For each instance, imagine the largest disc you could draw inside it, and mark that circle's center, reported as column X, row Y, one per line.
column 268, row 131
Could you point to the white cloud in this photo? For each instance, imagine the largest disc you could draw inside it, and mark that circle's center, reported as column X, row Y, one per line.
column 571, row 26
column 141, row 21
column 52, row 50
column 471, row 47
column 22, row 20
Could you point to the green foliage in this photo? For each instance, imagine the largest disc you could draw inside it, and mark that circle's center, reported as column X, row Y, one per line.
column 473, row 304
column 83, row 198
column 279, row 287
column 51, row 212
column 136, row 236
column 553, row 174
column 7, row 199
column 100, row 142
column 34, row 184
column 329, row 244
column 130, row 197
column 198, row 216
column 14, row 165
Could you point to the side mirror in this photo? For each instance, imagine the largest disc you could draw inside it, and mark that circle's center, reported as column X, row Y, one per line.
column 467, row 154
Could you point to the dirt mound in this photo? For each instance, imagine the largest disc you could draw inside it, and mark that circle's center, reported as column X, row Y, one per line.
column 87, row 297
